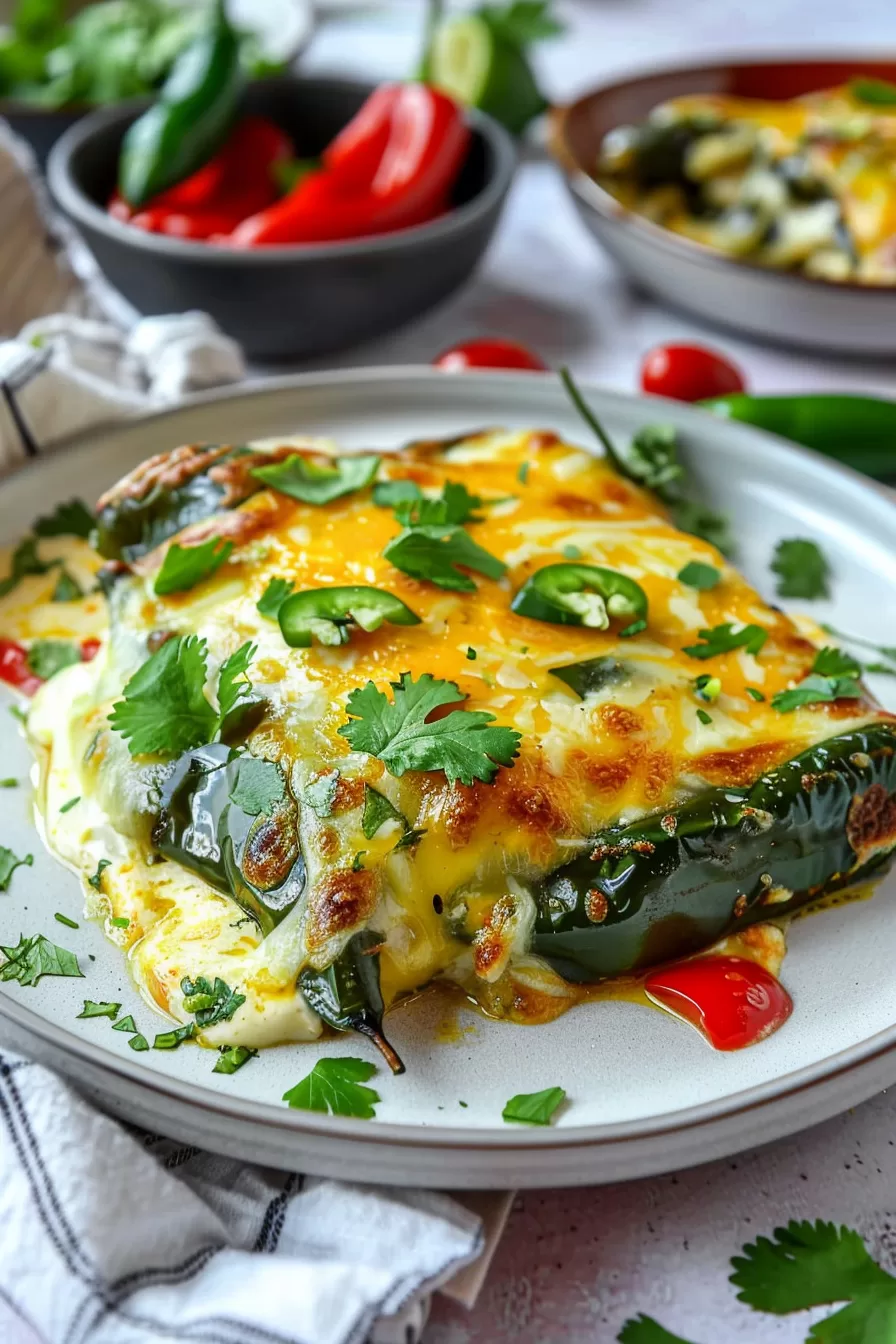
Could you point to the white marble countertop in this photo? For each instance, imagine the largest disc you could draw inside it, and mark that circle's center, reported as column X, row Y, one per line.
column 574, row 1264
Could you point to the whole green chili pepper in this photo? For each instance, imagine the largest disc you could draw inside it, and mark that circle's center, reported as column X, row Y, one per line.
column 327, row 614
column 191, row 118
column 671, row 884
column 347, row 994
column 580, row 595
column 858, row 431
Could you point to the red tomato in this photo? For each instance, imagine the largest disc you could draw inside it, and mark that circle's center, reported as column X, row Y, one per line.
column 14, row 669
column 488, row 354
column 689, row 373
column 89, row 650
column 732, row 1001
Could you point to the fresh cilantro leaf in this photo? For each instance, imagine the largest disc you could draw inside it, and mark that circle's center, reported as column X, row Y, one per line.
column 411, row 837
column 703, row 716
column 32, row 958
column 233, row 1057
column 802, row 569
column 870, row 1319
column 389, row 493
column 273, row 597
column 805, row 1265
column 454, row 505
column 334, row 1087
column 358, row 861
column 170, row 1040
column 96, row 881
column 835, row 663
column 210, row 1003
column 186, row 566
column 885, row 650
column 815, row 690
column 697, row 575
column 314, row 484
column 653, row 458
column 754, row 694
column 522, row 473
column 874, row 92
column 522, row 21
column 64, row 919
column 239, row 708
column 138, row 1042
column 67, row 589
column 165, row 711
column 46, row 657
column 92, row 1009
column 463, row 744
column 260, row 787
column 72, row 802
column 377, row 811
column 433, row 553
column 645, row 1330
column 9, row 863
column 126, row 1024
column 25, row 560
column 699, row 520
column 72, row 519
column 471, row 654
column 320, row 794
column 533, row 1108
column 724, row 638
column 593, row 674
column 634, row 629
column 120, row 922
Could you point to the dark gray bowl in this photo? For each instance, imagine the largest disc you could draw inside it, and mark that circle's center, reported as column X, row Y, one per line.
column 286, row 302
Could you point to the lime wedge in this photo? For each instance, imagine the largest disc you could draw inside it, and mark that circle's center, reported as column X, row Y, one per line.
column 471, row 62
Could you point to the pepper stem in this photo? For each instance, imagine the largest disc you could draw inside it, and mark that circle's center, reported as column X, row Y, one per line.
column 390, row 1055
column 592, row 421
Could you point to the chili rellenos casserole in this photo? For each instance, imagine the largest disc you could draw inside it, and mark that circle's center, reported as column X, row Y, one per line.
column 477, row 712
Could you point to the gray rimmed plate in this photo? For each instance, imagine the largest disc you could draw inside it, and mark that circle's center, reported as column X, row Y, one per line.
column 645, row 1093
column 768, row 305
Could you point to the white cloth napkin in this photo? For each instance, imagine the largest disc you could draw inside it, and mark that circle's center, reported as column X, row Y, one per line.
column 116, row 1237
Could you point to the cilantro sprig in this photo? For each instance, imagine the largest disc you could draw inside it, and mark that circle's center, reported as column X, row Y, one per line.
column 165, row 710
column 833, row 677
column 336, row 1087
column 454, row 505
column 186, row 566
column 33, row 958
column 464, row 744
column 315, row 483
column 434, row 552
column 724, row 638
column 802, row 569
column 210, row 1002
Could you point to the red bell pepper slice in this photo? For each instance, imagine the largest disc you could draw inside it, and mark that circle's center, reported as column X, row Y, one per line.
column 355, row 154
column 14, row 669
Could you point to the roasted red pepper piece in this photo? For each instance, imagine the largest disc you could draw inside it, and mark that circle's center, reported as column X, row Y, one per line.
column 14, row 669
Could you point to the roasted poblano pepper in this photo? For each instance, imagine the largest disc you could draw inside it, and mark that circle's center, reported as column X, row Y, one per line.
column 671, row 884
column 347, row 994
column 253, row 857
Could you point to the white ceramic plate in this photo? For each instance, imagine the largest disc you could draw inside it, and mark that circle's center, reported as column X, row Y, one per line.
column 645, row 1093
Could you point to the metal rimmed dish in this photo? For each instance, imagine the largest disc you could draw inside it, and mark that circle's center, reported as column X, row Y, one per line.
column 754, row 300
column 646, row 1094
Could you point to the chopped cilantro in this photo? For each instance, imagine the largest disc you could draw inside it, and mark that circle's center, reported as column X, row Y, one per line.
column 259, row 788
column 233, row 1057
column 874, row 92
column 335, row 1087
column 522, row 473
column 830, row 662
column 377, row 811
column 170, row 1040
column 25, row 560
column 120, row 922
column 138, row 1042
column 9, row 783
column 67, row 589
column 9, row 863
column 357, row 861
column 754, row 694
column 34, row 957
column 210, row 1002
column 320, row 794
column 434, row 553
column 64, row 919
column 802, row 569
column 533, row 1108
column 72, row 519
column 689, row 515
column 815, row 689
column 273, row 597
column 703, row 716
column 471, row 654
column 411, row 837
column 455, row 505
column 72, row 802
column 306, row 480
column 186, row 566
column 46, row 657
column 724, row 638
column 572, row 552
column 464, row 744
column 698, row 575
column 92, row 1009
column 126, row 1024
column 389, row 493
column 635, row 628
column 97, row 880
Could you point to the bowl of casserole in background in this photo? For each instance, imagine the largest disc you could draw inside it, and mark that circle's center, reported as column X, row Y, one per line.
column 798, row 278
column 294, row 300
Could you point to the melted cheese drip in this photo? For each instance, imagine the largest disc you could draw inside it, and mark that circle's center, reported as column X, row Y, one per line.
column 631, row 749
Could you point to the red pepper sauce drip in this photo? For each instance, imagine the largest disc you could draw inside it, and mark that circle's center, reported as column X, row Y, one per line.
column 731, row 1001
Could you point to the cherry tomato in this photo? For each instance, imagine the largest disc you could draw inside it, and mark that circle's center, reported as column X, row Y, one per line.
column 89, row 650
column 689, row 373
column 732, row 1001
column 14, row 669
column 488, row 354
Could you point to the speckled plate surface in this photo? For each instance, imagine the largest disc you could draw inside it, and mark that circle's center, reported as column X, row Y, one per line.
column 645, row 1093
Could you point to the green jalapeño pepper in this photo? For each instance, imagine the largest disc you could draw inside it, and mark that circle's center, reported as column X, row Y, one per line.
column 347, row 994
column 582, row 595
column 668, row 885
column 328, row 613
column 858, row 431
column 192, row 117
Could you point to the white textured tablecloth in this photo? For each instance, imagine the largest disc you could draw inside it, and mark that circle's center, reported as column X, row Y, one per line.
column 574, row 1264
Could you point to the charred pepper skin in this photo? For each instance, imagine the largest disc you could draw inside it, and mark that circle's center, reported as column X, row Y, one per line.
column 347, row 994
column 670, row 885
column 255, row 859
